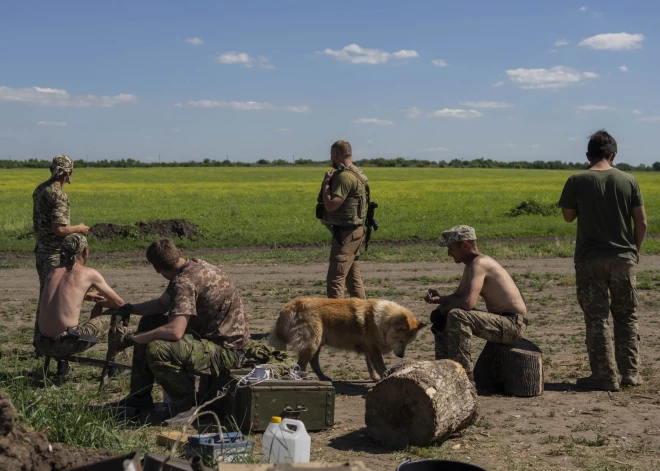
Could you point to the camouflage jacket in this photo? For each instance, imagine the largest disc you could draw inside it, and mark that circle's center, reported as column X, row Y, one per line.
column 49, row 205
column 206, row 293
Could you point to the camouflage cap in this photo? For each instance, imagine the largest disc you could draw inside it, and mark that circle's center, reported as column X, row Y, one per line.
column 61, row 165
column 457, row 234
column 72, row 246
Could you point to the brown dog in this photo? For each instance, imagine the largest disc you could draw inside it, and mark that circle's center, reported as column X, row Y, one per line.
column 373, row 327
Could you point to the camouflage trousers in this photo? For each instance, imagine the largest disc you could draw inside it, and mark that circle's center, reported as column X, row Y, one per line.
column 173, row 365
column 453, row 338
column 45, row 261
column 67, row 344
column 344, row 267
column 595, row 279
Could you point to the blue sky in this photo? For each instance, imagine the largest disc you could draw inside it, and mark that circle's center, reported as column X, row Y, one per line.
column 263, row 79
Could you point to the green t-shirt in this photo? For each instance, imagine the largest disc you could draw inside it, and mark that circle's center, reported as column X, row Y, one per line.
column 604, row 200
column 343, row 183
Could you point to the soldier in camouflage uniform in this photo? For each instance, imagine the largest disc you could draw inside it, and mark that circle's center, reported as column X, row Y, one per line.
column 456, row 320
column 59, row 333
column 343, row 201
column 198, row 326
column 611, row 226
column 51, row 219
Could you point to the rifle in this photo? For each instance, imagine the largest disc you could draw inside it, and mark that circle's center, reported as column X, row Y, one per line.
column 371, row 223
column 118, row 316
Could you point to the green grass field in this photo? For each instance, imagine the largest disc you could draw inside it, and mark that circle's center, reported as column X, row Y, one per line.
column 242, row 207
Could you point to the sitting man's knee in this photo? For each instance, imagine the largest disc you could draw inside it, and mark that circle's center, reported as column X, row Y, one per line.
column 456, row 314
column 157, row 351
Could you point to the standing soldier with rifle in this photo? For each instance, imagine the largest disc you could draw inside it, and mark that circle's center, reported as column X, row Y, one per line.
column 51, row 222
column 342, row 207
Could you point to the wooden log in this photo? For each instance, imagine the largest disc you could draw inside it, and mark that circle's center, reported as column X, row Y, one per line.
column 513, row 370
column 420, row 403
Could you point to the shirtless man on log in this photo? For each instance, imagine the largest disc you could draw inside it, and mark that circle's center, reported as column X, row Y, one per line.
column 65, row 289
column 455, row 321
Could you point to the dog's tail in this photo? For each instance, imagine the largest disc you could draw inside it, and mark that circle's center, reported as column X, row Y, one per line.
column 279, row 337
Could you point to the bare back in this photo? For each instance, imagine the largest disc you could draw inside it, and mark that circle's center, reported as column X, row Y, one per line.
column 62, row 298
column 499, row 291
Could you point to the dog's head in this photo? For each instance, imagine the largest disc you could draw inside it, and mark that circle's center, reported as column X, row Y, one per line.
column 402, row 329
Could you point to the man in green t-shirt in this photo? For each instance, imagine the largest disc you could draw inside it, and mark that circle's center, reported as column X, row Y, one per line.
column 611, row 226
column 344, row 203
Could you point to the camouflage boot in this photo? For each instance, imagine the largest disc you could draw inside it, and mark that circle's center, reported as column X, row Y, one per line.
column 632, row 380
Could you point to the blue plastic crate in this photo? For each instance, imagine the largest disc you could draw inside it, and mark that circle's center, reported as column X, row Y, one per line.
column 229, row 448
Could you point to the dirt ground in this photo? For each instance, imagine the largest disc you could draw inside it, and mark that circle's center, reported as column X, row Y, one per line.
column 565, row 428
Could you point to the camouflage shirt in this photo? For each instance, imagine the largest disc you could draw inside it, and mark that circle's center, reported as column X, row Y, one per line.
column 206, row 293
column 50, row 205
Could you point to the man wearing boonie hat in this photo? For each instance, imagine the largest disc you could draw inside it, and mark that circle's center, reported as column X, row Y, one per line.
column 456, row 320
column 58, row 333
column 51, row 221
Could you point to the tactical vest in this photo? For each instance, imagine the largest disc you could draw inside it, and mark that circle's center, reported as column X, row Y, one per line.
column 354, row 208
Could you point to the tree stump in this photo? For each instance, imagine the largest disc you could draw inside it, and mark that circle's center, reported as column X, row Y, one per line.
column 513, row 370
column 420, row 403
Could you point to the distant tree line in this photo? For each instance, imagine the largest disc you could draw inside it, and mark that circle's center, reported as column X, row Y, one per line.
column 379, row 162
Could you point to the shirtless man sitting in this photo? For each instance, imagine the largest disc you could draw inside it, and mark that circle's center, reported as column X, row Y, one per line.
column 455, row 321
column 64, row 291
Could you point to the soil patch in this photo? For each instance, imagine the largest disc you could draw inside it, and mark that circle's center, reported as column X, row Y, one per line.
column 170, row 228
column 25, row 450
column 174, row 228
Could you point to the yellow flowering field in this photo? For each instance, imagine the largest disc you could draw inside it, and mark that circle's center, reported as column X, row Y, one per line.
column 274, row 206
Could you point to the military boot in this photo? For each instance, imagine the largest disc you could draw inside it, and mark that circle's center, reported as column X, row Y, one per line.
column 631, row 380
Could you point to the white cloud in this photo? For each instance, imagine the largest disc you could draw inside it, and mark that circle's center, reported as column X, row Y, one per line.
column 613, row 41
column 623, row 68
column 498, row 84
column 370, row 141
column 583, row 9
column 486, row 104
column 556, row 77
column 413, row 112
column 195, row 41
column 61, row 98
column 244, row 59
column 244, row 106
column 511, row 145
column 595, row 108
column 455, row 113
column 561, row 42
column 379, row 122
column 572, row 139
column 359, row 55
column 405, row 54
column 358, row 152
column 637, row 112
column 283, row 129
column 52, row 123
column 435, row 149
column 439, row 63
column 535, row 146
column 649, row 119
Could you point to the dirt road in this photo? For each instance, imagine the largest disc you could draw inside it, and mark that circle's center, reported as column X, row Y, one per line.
column 565, row 428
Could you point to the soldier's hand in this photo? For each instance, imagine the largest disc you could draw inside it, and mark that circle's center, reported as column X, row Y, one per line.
column 432, row 297
column 83, row 229
column 94, row 296
column 328, row 175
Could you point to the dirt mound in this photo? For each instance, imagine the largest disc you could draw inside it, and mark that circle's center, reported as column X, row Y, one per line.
column 169, row 228
column 172, row 228
column 25, row 450
column 107, row 231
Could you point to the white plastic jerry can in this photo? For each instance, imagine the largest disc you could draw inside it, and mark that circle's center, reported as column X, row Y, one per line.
column 286, row 441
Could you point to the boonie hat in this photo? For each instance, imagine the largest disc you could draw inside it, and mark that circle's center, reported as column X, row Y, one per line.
column 457, row 234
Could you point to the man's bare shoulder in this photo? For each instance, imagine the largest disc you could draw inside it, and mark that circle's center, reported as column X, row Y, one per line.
column 485, row 262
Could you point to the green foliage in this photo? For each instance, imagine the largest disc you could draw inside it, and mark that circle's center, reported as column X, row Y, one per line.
column 533, row 208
